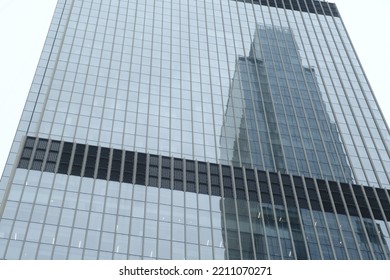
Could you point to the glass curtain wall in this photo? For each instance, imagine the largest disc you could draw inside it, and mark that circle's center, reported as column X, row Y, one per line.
column 250, row 123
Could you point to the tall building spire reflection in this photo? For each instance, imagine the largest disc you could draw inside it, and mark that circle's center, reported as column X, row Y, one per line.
column 275, row 118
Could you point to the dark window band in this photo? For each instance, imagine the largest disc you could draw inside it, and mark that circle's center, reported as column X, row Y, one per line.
column 310, row 6
column 202, row 177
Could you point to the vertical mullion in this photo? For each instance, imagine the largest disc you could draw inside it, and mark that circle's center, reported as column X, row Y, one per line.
column 349, row 216
column 361, row 217
column 310, row 223
column 322, row 217
column 274, row 218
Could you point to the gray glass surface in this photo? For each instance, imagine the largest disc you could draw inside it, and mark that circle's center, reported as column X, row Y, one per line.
column 227, row 82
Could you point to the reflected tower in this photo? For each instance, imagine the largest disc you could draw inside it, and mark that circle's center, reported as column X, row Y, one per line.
column 275, row 117
column 276, row 120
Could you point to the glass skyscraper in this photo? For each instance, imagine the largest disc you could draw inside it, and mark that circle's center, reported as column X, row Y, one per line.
column 214, row 129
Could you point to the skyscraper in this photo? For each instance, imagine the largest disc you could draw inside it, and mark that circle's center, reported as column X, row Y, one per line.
column 198, row 130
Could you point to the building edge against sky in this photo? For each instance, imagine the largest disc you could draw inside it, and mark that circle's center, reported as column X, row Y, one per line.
column 91, row 86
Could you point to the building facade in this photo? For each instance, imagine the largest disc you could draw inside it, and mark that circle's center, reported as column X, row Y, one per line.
column 215, row 129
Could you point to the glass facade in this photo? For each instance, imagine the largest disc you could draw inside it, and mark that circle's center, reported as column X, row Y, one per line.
column 275, row 102
column 198, row 130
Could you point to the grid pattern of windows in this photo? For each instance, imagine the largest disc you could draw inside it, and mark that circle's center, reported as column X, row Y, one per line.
column 213, row 129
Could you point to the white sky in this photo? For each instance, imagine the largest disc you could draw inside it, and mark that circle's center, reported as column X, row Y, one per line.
column 24, row 25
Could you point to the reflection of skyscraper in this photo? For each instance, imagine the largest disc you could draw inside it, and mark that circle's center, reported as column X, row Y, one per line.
column 280, row 118
column 281, row 124
column 119, row 152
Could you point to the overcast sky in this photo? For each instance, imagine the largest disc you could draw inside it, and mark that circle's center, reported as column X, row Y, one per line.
column 24, row 25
